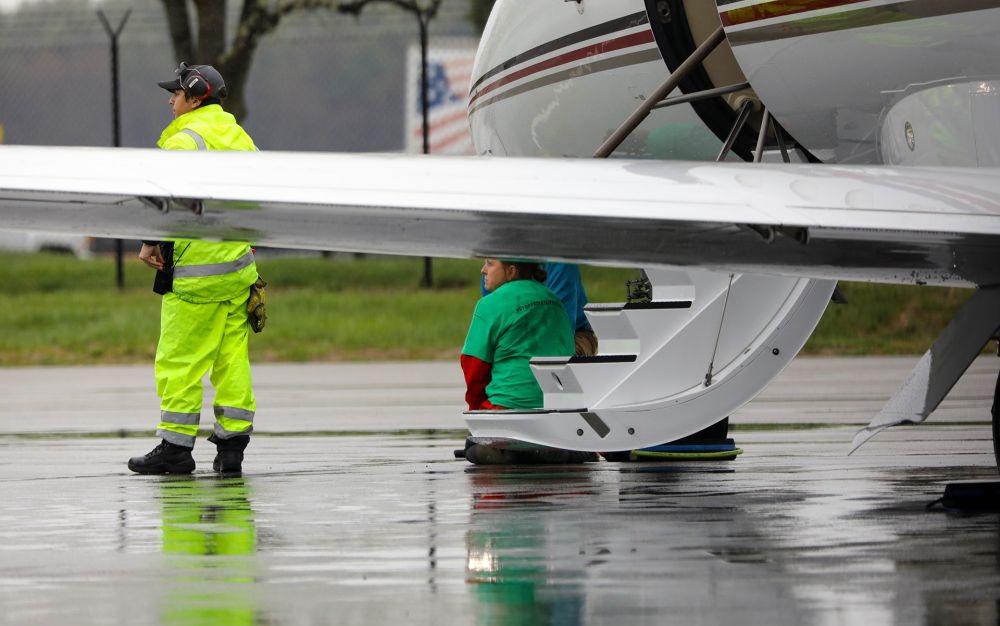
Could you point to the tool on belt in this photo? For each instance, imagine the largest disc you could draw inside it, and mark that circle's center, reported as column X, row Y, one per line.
column 163, row 282
column 257, row 305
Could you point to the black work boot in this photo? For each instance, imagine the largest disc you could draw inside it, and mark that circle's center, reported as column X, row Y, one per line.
column 479, row 454
column 166, row 458
column 229, row 455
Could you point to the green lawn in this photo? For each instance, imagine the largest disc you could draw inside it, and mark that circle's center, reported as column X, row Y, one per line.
column 60, row 310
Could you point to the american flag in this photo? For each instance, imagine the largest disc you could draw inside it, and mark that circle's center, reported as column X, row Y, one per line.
column 449, row 74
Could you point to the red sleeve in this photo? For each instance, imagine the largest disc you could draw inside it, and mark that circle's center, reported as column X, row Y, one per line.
column 478, row 374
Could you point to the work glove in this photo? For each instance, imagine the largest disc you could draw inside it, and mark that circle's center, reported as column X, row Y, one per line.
column 257, row 305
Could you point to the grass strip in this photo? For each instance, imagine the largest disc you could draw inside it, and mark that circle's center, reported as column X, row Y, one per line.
column 60, row 310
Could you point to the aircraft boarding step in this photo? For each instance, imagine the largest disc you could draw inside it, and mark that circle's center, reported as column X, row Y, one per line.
column 705, row 344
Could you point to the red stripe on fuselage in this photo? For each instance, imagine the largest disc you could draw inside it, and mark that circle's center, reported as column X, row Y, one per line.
column 778, row 8
column 618, row 43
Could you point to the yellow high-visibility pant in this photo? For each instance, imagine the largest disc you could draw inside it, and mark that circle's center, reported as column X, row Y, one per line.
column 195, row 339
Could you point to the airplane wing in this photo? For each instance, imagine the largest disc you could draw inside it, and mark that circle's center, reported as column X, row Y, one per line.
column 902, row 224
column 767, row 227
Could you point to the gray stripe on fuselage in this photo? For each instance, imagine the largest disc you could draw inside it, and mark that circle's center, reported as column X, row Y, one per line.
column 850, row 17
column 607, row 28
column 590, row 67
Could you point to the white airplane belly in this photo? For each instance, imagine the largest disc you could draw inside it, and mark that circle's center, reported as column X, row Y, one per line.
column 833, row 75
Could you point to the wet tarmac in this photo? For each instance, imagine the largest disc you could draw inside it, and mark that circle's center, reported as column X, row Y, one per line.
column 382, row 525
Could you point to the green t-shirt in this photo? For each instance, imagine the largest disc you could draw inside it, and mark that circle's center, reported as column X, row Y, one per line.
column 520, row 320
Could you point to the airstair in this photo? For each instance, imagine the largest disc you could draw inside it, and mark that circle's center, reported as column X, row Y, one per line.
column 702, row 347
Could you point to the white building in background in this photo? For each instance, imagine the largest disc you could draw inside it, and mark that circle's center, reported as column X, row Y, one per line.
column 32, row 241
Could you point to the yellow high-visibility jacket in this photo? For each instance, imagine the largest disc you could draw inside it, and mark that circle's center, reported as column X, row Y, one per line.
column 208, row 271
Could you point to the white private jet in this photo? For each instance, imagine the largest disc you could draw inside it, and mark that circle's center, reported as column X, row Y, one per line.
column 885, row 113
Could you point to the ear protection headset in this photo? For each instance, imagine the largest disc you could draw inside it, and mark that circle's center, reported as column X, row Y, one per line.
column 200, row 82
column 194, row 84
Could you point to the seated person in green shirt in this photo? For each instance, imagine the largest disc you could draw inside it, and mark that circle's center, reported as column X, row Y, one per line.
column 519, row 319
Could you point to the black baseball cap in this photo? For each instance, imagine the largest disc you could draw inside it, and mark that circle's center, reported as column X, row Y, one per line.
column 198, row 81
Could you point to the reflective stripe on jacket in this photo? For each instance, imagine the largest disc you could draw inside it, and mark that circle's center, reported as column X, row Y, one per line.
column 209, row 271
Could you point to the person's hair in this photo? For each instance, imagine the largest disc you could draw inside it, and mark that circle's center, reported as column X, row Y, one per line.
column 533, row 271
column 203, row 103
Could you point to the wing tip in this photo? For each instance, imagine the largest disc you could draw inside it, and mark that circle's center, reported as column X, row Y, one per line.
column 862, row 436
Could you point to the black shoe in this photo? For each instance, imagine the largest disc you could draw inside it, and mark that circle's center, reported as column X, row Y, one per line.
column 460, row 454
column 558, row 456
column 229, row 455
column 166, row 458
column 479, row 454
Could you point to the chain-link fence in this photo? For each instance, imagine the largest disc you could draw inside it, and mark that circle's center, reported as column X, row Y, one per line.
column 319, row 81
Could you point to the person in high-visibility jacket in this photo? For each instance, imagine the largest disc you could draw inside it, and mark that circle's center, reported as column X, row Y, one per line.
column 203, row 316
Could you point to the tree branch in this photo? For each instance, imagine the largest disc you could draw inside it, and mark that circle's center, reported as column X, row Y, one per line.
column 258, row 19
column 423, row 13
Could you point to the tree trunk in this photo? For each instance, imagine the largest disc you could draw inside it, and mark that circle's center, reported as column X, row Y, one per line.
column 257, row 17
column 180, row 30
column 235, row 70
column 211, row 30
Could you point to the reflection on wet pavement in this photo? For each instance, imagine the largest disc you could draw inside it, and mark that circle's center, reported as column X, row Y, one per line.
column 371, row 530
column 209, row 544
